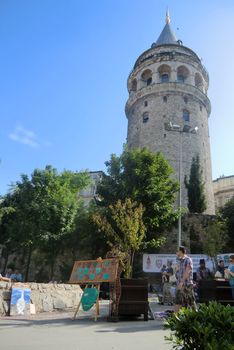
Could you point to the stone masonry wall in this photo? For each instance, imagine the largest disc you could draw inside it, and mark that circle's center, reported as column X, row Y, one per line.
column 152, row 106
column 45, row 297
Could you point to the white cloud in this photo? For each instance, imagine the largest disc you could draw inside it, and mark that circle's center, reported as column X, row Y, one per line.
column 27, row 137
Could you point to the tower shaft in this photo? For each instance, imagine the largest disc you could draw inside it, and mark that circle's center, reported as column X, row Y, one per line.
column 167, row 103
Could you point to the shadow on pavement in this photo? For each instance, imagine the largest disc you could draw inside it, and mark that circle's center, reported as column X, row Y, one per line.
column 101, row 326
column 59, row 319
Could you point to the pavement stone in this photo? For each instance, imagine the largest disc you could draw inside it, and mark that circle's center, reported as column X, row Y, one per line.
column 57, row 331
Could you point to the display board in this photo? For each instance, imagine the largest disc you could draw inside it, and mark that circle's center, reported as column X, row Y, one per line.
column 94, row 271
column 20, row 301
column 155, row 262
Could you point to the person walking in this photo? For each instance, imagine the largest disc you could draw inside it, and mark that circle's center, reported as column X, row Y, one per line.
column 184, row 291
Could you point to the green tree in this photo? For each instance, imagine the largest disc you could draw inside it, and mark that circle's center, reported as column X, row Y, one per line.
column 86, row 241
column 214, row 238
column 123, row 226
column 227, row 213
column 144, row 177
column 45, row 208
column 195, row 187
column 7, row 235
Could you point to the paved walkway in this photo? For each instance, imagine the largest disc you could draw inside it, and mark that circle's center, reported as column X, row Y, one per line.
column 56, row 331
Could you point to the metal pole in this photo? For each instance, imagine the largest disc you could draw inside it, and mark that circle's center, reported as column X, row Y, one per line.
column 180, row 192
column 187, row 129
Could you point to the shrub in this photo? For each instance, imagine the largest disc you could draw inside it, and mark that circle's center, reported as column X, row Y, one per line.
column 209, row 328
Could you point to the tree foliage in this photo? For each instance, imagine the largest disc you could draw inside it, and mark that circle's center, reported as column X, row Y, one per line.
column 43, row 211
column 144, row 177
column 227, row 213
column 214, row 238
column 87, row 235
column 195, row 187
column 123, row 227
column 210, row 327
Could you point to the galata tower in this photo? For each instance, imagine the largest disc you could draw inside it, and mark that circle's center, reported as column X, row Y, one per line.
column 168, row 108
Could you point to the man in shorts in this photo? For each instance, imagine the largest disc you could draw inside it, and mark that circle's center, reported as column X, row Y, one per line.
column 184, row 291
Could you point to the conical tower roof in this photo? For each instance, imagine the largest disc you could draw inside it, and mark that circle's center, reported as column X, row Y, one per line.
column 167, row 36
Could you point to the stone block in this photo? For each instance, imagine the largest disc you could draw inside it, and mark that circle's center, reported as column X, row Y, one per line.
column 3, row 285
column 75, row 297
column 6, row 307
column 67, row 287
column 59, row 303
column 45, row 297
column 59, row 286
column 33, row 286
column 37, row 300
column 46, row 286
column 47, row 302
column 6, row 294
column 68, row 302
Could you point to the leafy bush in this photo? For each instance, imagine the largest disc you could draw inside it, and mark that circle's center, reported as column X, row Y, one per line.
column 209, row 328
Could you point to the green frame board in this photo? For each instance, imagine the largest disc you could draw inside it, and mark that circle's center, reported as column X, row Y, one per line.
column 94, row 271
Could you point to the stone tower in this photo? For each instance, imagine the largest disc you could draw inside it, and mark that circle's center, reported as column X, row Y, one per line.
column 168, row 108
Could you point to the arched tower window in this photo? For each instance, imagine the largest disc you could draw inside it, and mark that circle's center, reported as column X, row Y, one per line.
column 145, row 117
column 182, row 74
column 146, row 76
column 186, row 115
column 134, row 85
column 198, row 81
column 164, row 73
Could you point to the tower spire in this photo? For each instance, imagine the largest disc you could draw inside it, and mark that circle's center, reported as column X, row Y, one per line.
column 168, row 19
column 167, row 36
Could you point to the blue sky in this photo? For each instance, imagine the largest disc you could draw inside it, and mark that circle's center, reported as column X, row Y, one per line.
column 63, row 71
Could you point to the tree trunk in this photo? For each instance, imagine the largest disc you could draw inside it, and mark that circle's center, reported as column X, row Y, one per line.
column 22, row 260
column 52, row 269
column 6, row 261
column 131, row 263
column 28, row 262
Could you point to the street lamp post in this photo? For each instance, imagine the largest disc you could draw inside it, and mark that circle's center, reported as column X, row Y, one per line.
column 186, row 129
column 180, row 191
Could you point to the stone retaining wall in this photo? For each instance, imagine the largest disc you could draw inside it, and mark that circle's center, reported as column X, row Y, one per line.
column 45, row 297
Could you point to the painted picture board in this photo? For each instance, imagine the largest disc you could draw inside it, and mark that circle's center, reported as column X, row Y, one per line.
column 20, row 301
column 94, row 271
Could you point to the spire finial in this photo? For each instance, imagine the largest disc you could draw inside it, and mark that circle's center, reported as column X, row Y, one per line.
column 168, row 20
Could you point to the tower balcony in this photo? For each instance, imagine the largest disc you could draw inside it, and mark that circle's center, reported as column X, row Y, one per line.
column 169, row 88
